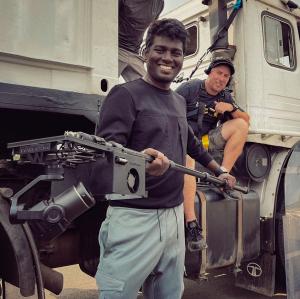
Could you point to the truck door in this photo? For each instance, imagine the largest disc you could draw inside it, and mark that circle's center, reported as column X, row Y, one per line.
column 281, row 76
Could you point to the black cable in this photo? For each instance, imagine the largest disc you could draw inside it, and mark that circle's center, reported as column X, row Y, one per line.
column 3, row 288
column 36, row 260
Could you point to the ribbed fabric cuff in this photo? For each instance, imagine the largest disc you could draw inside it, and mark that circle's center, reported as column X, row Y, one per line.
column 219, row 171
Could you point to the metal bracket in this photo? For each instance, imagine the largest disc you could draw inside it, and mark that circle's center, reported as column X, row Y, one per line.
column 17, row 212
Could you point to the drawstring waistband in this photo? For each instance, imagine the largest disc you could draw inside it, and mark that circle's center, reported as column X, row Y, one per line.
column 176, row 220
column 158, row 219
column 159, row 225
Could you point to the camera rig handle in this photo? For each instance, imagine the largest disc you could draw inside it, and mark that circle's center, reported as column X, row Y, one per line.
column 203, row 176
column 206, row 177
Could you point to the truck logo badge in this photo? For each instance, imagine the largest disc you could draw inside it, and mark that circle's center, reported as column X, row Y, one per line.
column 254, row 270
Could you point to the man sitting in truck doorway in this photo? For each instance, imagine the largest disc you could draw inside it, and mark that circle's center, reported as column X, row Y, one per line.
column 142, row 239
column 134, row 18
column 208, row 104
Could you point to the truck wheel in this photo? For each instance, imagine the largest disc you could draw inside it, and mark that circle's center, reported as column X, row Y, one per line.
column 22, row 255
column 1, row 289
column 11, row 292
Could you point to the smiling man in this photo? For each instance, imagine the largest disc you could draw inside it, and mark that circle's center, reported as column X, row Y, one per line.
column 208, row 104
column 142, row 239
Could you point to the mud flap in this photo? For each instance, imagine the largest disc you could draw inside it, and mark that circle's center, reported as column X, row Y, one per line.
column 258, row 275
column 291, row 224
column 253, row 272
column 16, row 264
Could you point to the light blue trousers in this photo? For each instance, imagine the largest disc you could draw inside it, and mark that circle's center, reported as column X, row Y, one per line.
column 141, row 247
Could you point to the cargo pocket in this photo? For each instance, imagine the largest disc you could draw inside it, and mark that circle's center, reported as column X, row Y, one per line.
column 109, row 287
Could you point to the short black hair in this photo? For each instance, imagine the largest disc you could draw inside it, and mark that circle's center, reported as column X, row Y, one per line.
column 170, row 28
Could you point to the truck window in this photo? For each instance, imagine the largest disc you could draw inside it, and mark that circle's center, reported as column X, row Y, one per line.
column 192, row 44
column 279, row 47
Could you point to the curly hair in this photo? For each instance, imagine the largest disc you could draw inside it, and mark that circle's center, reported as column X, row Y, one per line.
column 170, row 28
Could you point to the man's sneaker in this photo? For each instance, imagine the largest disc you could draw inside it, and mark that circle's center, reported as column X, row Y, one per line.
column 194, row 238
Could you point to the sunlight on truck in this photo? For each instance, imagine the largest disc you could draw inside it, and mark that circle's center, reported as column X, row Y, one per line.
column 58, row 61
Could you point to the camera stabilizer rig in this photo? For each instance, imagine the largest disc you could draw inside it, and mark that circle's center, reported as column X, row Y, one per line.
column 126, row 169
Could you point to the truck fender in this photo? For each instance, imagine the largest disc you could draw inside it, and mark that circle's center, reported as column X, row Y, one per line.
column 291, row 222
column 16, row 263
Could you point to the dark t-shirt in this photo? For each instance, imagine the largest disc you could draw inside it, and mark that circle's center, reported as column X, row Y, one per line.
column 138, row 116
column 134, row 18
column 194, row 92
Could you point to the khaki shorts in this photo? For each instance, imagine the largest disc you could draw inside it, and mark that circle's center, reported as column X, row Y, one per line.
column 216, row 140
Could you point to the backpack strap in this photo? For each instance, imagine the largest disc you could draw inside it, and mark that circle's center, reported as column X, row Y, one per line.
column 195, row 108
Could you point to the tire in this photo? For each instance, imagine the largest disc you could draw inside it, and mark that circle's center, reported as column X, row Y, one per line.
column 12, row 292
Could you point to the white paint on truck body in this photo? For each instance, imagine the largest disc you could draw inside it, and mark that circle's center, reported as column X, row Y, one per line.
column 269, row 93
column 68, row 45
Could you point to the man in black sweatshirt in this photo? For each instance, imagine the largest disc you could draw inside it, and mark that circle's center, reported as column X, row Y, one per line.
column 142, row 239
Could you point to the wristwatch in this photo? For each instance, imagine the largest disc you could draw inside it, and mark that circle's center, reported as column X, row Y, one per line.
column 220, row 171
column 235, row 107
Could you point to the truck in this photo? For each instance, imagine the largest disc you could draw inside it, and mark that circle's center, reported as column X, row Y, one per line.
column 255, row 237
column 58, row 61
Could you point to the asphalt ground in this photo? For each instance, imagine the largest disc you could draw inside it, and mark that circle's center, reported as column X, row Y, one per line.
column 78, row 285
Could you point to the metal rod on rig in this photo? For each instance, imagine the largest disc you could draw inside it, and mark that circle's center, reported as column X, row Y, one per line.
column 185, row 170
column 205, row 176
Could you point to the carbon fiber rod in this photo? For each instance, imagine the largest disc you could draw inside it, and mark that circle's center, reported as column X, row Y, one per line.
column 204, row 176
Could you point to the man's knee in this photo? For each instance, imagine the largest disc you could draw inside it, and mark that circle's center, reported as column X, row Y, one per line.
column 235, row 125
column 242, row 125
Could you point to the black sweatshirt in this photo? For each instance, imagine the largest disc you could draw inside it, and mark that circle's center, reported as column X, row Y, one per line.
column 138, row 116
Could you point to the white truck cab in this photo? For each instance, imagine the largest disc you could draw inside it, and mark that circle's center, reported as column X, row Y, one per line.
column 263, row 42
column 58, row 61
